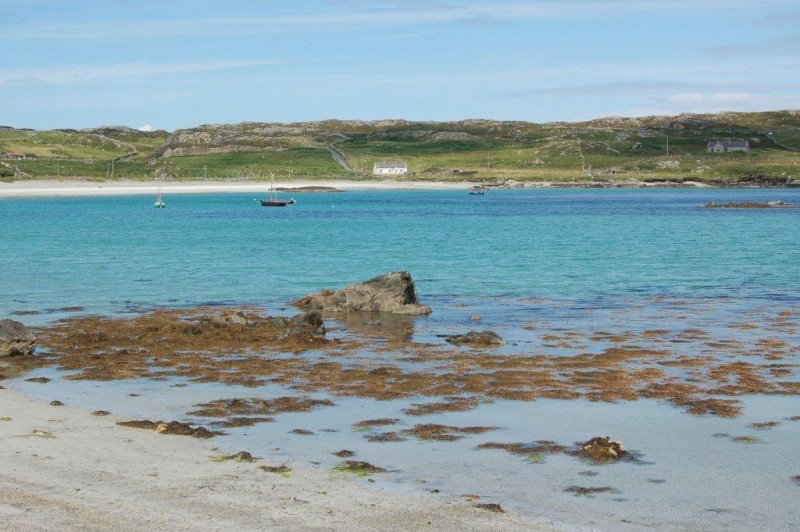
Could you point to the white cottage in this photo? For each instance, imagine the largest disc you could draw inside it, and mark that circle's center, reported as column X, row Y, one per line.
column 390, row 168
column 724, row 146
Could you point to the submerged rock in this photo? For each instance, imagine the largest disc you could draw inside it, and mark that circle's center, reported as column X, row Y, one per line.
column 749, row 205
column 344, row 453
column 581, row 490
column 241, row 456
column 308, row 322
column 393, row 292
column 300, row 324
column 358, row 467
column 15, row 339
column 476, row 338
column 283, row 470
column 172, row 427
column 490, row 506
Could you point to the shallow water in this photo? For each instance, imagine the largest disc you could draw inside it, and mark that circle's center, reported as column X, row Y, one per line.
column 531, row 263
column 110, row 253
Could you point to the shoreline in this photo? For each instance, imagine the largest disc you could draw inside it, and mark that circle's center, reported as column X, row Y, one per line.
column 82, row 471
column 32, row 189
column 74, row 188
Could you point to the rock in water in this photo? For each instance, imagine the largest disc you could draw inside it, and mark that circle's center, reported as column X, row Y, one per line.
column 307, row 322
column 392, row 292
column 15, row 339
column 601, row 449
column 476, row 338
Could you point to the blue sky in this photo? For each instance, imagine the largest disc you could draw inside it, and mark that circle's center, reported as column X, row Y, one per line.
column 171, row 64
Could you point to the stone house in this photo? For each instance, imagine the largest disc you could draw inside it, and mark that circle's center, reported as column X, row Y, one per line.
column 390, row 168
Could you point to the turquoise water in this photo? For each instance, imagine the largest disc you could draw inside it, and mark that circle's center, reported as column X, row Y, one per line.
column 530, row 262
column 106, row 254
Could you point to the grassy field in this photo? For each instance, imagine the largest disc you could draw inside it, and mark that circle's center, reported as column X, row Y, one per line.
column 298, row 162
column 603, row 149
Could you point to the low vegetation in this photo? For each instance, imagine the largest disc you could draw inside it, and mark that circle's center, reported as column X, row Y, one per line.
column 603, row 150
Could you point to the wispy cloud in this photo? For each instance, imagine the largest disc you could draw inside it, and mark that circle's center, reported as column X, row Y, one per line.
column 714, row 102
column 347, row 16
column 651, row 87
column 779, row 45
column 73, row 75
column 713, row 99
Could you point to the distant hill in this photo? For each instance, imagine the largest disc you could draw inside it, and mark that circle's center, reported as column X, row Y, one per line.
column 607, row 149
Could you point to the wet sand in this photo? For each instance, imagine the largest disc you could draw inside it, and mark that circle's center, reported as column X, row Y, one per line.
column 62, row 468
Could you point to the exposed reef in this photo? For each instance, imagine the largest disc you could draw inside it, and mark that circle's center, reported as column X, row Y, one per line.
column 240, row 346
column 752, row 205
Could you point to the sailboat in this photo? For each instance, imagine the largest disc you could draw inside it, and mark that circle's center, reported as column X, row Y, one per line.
column 273, row 200
column 159, row 204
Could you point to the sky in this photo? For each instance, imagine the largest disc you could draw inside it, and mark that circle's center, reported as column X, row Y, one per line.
column 170, row 64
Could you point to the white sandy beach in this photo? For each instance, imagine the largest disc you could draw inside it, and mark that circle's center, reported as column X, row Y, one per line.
column 23, row 189
column 83, row 472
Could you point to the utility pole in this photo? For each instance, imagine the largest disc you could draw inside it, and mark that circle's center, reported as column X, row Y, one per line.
column 58, row 169
column 205, row 171
column 667, row 146
column 112, row 168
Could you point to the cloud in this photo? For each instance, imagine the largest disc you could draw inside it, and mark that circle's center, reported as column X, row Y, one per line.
column 361, row 14
column 146, row 127
column 714, row 102
column 73, row 75
column 785, row 45
column 688, row 90
column 714, row 99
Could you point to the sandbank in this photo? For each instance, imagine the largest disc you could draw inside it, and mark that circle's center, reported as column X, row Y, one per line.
column 63, row 469
column 23, row 189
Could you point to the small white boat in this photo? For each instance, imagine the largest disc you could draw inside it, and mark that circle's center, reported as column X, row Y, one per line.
column 159, row 204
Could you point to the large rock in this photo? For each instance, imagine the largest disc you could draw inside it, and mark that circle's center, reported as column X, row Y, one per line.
column 15, row 339
column 392, row 292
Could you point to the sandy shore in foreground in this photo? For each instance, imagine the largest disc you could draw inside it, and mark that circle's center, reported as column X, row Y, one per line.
column 85, row 472
column 23, row 189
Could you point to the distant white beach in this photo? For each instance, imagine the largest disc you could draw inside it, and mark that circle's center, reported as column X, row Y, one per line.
column 28, row 189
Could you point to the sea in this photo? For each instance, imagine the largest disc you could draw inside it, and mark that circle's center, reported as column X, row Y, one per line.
column 529, row 262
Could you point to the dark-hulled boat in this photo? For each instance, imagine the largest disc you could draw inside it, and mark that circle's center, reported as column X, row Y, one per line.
column 273, row 200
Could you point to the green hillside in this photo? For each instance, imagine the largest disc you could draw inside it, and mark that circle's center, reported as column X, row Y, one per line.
column 608, row 149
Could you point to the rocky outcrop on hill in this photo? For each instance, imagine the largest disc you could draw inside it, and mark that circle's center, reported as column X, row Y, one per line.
column 15, row 339
column 393, row 292
column 246, row 137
